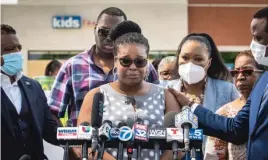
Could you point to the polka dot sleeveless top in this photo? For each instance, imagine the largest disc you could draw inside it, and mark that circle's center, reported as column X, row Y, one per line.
column 149, row 107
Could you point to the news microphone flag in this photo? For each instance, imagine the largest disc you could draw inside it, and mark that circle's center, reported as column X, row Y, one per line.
column 196, row 134
column 104, row 131
column 84, row 132
column 140, row 132
column 186, row 116
column 67, row 133
column 157, row 133
column 174, row 134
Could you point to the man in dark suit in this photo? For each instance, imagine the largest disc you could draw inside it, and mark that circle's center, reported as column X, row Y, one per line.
column 25, row 116
column 251, row 123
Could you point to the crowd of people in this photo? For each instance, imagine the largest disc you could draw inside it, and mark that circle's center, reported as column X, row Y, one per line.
column 232, row 106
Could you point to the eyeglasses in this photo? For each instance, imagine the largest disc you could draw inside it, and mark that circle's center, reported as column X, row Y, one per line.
column 245, row 72
column 103, row 32
column 127, row 62
column 166, row 73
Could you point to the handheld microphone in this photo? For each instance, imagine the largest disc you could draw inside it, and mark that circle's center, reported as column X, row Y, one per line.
column 25, row 157
column 104, row 136
column 84, row 132
column 169, row 121
column 96, row 120
column 66, row 148
column 186, row 120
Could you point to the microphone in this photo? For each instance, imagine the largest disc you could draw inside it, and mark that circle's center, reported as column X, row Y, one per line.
column 104, row 136
column 169, row 121
column 84, row 133
column 25, row 157
column 140, row 135
column 69, row 123
column 96, row 120
column 157, row 134
column 186, row 120
column 195, row 135
column 125, row 135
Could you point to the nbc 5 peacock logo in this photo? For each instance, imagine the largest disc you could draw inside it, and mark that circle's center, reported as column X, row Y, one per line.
column 125, row 134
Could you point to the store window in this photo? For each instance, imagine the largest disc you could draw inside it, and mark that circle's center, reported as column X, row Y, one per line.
column 38, row 60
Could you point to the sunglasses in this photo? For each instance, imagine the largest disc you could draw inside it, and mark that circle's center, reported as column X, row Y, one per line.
column 245, row 72
column 127, row 62
column 103, row 32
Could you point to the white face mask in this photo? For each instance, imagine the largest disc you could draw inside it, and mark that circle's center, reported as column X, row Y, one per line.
column 191, row 73
column 258, row 51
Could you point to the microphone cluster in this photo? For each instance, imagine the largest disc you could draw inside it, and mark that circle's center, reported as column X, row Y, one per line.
column 180, row 129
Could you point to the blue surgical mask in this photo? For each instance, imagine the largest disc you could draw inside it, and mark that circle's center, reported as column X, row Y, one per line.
column 12, row 63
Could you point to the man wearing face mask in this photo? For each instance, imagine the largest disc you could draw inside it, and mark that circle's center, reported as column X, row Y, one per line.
column 251, row 123
column 26, row 118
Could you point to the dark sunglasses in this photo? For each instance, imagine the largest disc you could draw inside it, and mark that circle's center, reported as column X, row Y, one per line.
column 245, row 72
column 103, row 32
column 127, row 62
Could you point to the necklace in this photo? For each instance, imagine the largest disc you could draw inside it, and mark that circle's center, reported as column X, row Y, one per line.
column 197, row 99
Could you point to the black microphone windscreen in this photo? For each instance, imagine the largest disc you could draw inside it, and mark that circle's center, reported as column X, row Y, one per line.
column 69, row 123
column 85, row 124
column 108, row 121
column 25, row 157
column 169, row 119
column 130, row 122
column 139, row 121
column 97, row 110
column 120, row 124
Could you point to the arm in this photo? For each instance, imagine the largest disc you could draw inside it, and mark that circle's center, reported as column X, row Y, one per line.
column 234, row 130
column 171, row 103
column 61, row 92
column 85, row 116
column 50, row 125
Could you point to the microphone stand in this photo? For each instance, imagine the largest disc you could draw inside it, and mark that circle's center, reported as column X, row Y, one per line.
column 193, row 153
column 66, row 151
column 120, row 150
column 156, row 151
column 139, row 152
column 101, row 151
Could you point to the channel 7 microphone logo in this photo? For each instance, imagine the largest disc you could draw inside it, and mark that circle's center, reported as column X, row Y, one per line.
column 140, row 132
column 125, row 134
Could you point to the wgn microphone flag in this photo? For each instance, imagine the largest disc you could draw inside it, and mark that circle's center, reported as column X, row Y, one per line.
column 96, row 120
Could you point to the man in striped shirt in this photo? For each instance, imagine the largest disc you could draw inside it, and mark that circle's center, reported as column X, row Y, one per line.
column 89, row 69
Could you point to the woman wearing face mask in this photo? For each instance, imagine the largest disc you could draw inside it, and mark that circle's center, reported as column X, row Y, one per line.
column 131, row 96
column 245, row 74
column 203, row 75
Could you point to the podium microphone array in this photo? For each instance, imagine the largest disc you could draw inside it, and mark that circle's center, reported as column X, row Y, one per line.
column 179, row 130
